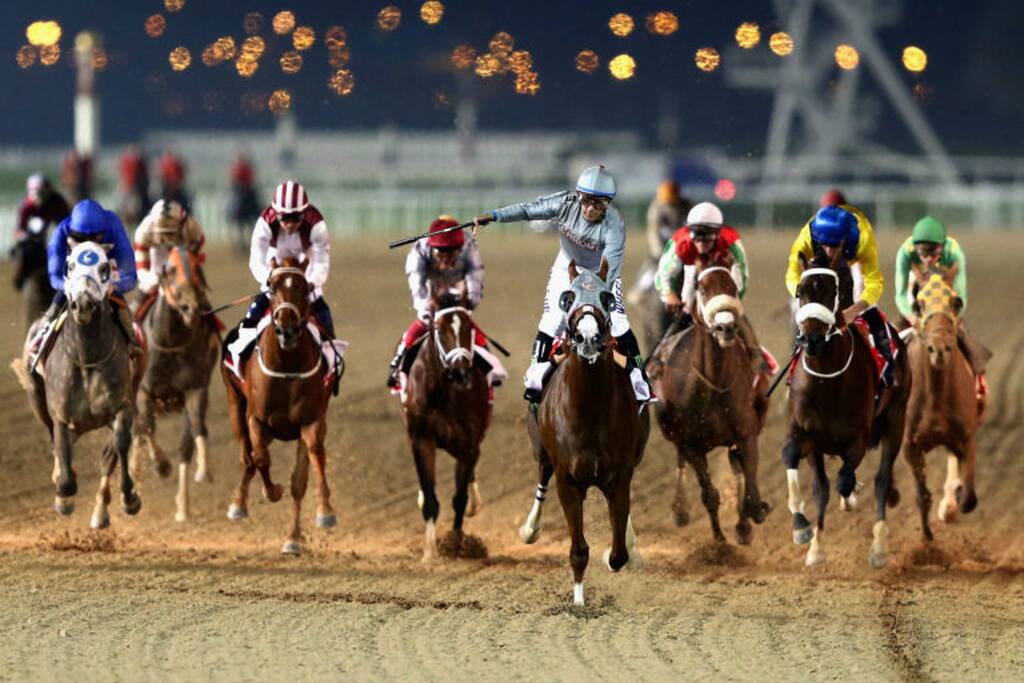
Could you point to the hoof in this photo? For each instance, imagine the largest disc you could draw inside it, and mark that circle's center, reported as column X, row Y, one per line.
column 180, row 517
column 291, row 547
column 947, row 511
column 815, row 557
column 743, row 534
column 203, row 475
column 237, row 512
column 802, row 531
column 99, row 522
column 848, row 504
column 757, row 511
column 429, row 557
column 529, row 534
column 680, row 517
column 274, row 493
column 131, row 505
column 163, row 468
column 64, row 506
column 878, row 560
column 326, row 521
column 966, row 501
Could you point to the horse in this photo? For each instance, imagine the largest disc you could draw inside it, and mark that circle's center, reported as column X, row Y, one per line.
column 944, row 409
column 586, row 429
column 711, row 397
column 446, row 405
column 89, row 381
column 184, row 347
column 30, row 275
column 284, row 396
column 832, row 410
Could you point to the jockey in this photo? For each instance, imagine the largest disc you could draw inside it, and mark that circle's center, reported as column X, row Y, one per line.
column 289, row 227
column 41, row 207
column 166, row 226
column 843, row 228
column 704, row 240
column 90, row 222
column 664, row 216
column 930, row 247
column 591, row 230
column 450, row 259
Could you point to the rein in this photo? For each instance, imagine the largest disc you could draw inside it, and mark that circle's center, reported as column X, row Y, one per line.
column 818, row 311
column 831, row 375
column 287, row 375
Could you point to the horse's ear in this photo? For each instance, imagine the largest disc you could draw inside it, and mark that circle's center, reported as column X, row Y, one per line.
column 958, row 304
column 916, row 307
column 603, row 270
column 573, row 272
column 273, row 262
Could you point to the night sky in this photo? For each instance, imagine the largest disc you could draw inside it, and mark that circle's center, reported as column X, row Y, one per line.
column 974, row 71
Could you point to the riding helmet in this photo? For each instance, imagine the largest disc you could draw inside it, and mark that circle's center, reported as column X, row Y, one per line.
column 597, row 181
column 290, row 197
column 832, row 197
column 446, row 240
column 705, row 214
column 929, row 229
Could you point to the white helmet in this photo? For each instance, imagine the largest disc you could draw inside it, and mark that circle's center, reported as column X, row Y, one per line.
column 290, row 197
column 596, row 180
column 706, row 214
column 167, row 216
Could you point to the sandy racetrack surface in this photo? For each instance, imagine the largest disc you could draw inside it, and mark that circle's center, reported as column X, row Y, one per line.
column 152, row 599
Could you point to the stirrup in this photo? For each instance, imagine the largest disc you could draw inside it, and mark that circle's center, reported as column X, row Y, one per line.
column 393, row 381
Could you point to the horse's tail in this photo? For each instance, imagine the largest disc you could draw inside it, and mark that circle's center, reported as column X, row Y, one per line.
column 20, row 369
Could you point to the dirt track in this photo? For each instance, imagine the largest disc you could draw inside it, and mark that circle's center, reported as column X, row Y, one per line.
column 214, row 599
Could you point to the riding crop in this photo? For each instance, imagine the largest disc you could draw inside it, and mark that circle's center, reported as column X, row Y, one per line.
column 784, row 370
column 410, row 240
column 239, row 300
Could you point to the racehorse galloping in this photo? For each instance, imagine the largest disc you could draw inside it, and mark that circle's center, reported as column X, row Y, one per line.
column 30, row 276
column 89, row 382
column 944, row 409
column 832, row 410
column 183, row 350
column 709, row 399
column 446, row 405
column 586, row 428
column 283, row 396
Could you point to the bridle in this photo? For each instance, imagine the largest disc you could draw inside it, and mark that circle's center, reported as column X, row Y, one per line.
column 449, row 356
column 713, row 305
column 574, row 319
column 820, row 312
column 286, row 305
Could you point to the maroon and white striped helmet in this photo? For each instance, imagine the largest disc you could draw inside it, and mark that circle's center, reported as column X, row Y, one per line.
column 290, row 197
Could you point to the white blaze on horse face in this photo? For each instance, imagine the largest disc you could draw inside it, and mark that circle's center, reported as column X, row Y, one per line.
column 456, row 327
column 588, row 327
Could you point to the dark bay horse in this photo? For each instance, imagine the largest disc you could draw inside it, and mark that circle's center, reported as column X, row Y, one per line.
column 90, row 383
column 587, row 430
column 284, row 396
column 832, row 411
column 944, row 409
column 183, row 349
column 446, row 406
column 30, row 276
column 709, row 399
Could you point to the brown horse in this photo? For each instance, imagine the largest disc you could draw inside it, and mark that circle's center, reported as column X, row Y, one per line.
column 709, row 399
column 446, row 405
column 944, row 409
column 284, row 396
column 832, row 410
column 183, row 351
column 587, row 429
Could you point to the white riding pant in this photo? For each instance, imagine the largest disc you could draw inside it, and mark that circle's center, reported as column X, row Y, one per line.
column 553, row 321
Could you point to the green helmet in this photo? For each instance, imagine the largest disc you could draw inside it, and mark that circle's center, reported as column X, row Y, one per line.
column 929, row 229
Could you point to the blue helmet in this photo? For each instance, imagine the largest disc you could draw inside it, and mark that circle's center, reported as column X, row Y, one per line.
column 832, row 225
column 88, row 218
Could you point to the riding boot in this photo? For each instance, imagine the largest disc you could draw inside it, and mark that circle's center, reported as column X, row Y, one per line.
column 757, row 359
column 395, row 366
column 628, row 346
column 43, row 339
column 540, row 365
column 323, row 316
column 256, row 309
column 883, row 343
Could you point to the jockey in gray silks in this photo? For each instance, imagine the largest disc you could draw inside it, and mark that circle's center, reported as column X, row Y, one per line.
column 590, row 230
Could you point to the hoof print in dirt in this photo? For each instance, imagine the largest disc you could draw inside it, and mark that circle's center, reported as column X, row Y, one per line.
column 462, row 546
column 717, row 554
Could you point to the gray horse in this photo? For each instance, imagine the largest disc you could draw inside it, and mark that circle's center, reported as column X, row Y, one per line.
column 183, row 350
column 89, row 382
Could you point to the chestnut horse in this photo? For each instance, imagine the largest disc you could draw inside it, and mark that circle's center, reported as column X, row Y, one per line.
column 832, row 410
column 709, row 399
column 944, row 409
column 587, row 429
column 446, row 405
column 283, row 396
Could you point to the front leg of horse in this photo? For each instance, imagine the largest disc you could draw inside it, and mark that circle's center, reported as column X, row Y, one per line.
column 313, row 437
column 792, row 452
column 476, row 501
column 885, row 496
column 966, row 497
column 529, row 532
column 261, row 459
column 64, row 476
column 571, row 499
column 146, row 437
column 100, row 514
column 300, row 478
column 680, row 507
column 708, row 493
column 130, row 501
column 623, row 551
column 915, row 458
column 816, row 553
column 196, row 403
column 463, row 476
column 424, row 453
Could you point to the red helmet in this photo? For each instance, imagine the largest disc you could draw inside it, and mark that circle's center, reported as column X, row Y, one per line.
column 290, row 197
column 447, row 240
column 832, row 197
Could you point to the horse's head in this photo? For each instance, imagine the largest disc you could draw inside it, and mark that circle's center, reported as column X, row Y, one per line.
column 182, row 283
column 453, row 333
column 718, row 305
column 587, row 306
column 87, row 280
column 938, row 309
column 289, row 300
column 818, row 294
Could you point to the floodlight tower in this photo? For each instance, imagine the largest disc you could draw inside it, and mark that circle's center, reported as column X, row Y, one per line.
column 836, row 118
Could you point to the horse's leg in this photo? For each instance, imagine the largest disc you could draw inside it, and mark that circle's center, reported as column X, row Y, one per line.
column 313, row 436
column 885, row 494
column 64, row 476
column 915, row 458
column 186, row 450
column 146, row 431
column 424, row 453
column 300, row 478
column 966, row 497
column 108, row 461
column 238, row 509
column 708, row 493
column 623, row 551
column 816, row 554
column 529, row 532
column 463, row 476
column 795, row 449
column 680, row 508
column 948, row 507
column 196, row 404
column 122, row 442
column 743, row 528
column 476, row 501
column 261, row 459
column 753, row 505
column 571, row 499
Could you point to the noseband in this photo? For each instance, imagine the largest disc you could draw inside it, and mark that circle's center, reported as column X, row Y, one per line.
column 718, row 303
column 820, row 312
column 450, row 356
column 286, row 305
column 587, row 310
